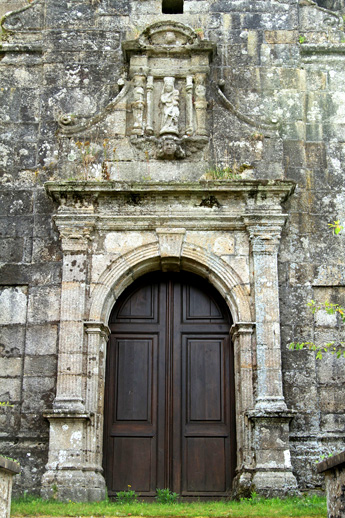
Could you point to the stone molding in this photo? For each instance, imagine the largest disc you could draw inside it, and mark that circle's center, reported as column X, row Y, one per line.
column 242, row 328
column 97, row 328
column 218, row 205
column 265, row 231
column 169, row 213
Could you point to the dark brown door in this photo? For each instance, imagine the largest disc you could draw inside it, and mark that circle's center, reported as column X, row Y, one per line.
column 169, row 403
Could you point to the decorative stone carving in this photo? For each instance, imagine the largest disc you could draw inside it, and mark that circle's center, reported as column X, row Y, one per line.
column 170, row 147
column 138, row 106
column 170, row 107
column 175, row 65
column 200, row 105
column 170, row 218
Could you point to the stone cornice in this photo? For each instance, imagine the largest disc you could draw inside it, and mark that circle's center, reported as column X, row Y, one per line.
column 200, row 205
column 280, row 188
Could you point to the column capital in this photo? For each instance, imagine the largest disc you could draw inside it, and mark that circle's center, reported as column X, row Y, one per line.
column 75, row 238
column 265, row 231
column 97, row 328
column 241, row 328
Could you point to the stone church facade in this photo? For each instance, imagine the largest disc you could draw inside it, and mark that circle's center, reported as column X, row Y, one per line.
column 168, row 173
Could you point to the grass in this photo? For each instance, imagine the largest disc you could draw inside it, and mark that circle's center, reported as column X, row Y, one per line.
column 306, row 507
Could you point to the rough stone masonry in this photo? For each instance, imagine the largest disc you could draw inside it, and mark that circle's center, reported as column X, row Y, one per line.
column 139, row 138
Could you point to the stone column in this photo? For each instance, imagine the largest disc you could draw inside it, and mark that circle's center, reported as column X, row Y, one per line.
column 149, row 103
column 242, row 339
column 97, row 336
column 270, row 417
column 264, row 233
column 71, row 378
column 69, row 473
column 189, row 105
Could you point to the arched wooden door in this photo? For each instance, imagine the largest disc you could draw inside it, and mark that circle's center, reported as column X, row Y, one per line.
column 169, row 401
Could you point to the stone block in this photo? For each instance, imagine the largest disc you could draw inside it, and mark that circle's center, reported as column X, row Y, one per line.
column 15, row 203
column 45, row 252
column 281, row 36
column 332, row 422
column 13, row 302
column 41, row 340
column 10, row 367
column 19, row 104
column 10, row 390
column 295, row 383
column 75, row 14
column 219, row 243
column 38, row 393
column 12, row 340
column 12, row 250
column 42, row 365
column 36, row 424
column 331, row 399
column 44, row 304
column 294, row 154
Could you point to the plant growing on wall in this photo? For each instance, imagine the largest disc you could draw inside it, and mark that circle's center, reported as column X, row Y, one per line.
column 337, row 348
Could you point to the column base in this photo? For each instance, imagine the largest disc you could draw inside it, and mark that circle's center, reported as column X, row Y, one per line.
column 269, row 484
column 74, row 485
column 272, row 484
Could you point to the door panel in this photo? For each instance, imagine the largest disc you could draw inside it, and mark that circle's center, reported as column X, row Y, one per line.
column 205, row 465
column 205, row 380
column 133, row 458
column 134, row 380
column 169, row 405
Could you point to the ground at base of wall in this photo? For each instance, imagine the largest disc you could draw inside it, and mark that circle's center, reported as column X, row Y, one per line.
column 305, row 507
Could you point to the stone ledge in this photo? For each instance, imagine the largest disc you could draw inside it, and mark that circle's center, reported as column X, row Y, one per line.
column 9, row 466
column 336, row 461
column 22, row 47
column 96, row 187
column 326, row 48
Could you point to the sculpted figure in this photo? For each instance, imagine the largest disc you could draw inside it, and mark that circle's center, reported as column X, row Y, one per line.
column 200, row 106
column 169, row 147
column 170, row 104
column 138, row 110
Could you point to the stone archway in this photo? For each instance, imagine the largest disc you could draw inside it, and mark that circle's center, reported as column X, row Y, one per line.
column 104, row 253
column 169, row 412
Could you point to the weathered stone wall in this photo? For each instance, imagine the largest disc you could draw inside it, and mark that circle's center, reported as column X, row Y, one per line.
column 275, row 110
column 8, row 469
column 333, row 470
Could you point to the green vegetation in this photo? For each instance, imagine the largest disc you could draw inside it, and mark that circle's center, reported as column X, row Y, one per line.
column 337, row 348
column 250, row 507
column 165, row 496
column 126, row 497
column 226, row 172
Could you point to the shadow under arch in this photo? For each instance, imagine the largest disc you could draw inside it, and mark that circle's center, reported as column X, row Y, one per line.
column 147, row 258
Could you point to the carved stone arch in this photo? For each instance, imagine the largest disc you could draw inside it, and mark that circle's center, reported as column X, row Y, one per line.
column 232, row 243
column 124, row 270
column 170, row 253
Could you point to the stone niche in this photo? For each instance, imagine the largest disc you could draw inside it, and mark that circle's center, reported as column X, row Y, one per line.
column 168, row 69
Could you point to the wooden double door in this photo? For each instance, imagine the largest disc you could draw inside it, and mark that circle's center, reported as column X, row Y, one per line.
column 169, row 399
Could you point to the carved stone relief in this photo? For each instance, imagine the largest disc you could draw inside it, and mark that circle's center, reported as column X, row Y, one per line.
column 168, row 68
